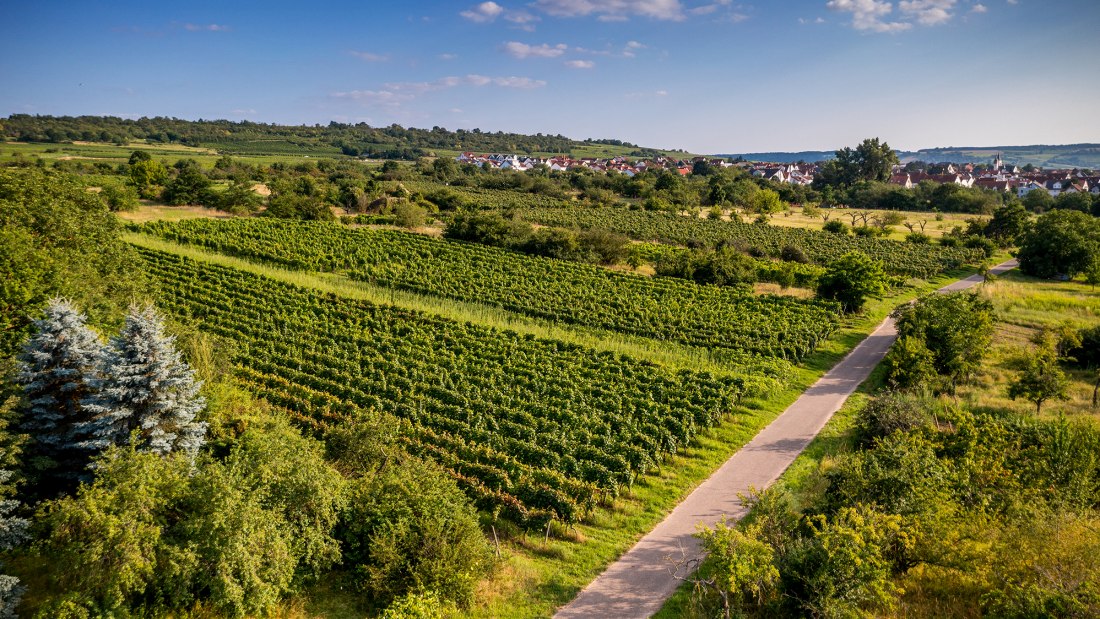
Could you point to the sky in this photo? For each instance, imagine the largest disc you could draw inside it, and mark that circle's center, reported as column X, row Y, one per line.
column 708, row 76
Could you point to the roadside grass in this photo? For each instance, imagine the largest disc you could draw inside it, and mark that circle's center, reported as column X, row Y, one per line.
column 540, row 572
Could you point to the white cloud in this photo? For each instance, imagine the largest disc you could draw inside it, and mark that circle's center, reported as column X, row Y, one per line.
column 447, row 56
column 374, row 97
column 661, row 93
column 370, row 56
column 869, row 15
column 1013, row 1
column 242, row 112
column 614, row 10
column 484, row 12
column 979, row 8
column 206, row 28
column 580, row 64
column 928, row 12
column 523, row 50
column 522, row 20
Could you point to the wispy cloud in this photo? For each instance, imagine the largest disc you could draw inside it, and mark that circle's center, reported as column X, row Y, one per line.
column 879, row 16
column 614, row 10
column 580, row 64
column 979, row 8
column 205, row 27
column 928, row 12
column 242, row 112
column 396, row 93
column 447, row 56
column 484, row 12
column 370, row 56
column 869, row 15
column 523, row 50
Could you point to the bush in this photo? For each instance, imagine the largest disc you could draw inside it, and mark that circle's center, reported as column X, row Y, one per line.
column 411, row 529
column 794, row 253
column 1061, row 242
column 850, row 280
column 890, row 413
column 836, row 227
column 409, row 215
column 918, row 238
column 119, row 197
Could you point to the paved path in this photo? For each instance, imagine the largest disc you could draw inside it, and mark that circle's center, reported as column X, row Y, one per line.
column 639, row 583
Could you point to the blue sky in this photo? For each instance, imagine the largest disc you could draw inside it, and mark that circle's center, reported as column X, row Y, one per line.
column 705, row 75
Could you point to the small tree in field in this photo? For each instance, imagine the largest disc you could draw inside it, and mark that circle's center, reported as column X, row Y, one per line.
column 1040, row 379
column 851, row 280
column 147, row 389
column 58, row 367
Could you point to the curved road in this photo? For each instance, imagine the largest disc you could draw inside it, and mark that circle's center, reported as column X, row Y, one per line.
column 639, row 583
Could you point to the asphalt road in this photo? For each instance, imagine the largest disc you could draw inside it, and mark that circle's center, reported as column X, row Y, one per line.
column 638, row 583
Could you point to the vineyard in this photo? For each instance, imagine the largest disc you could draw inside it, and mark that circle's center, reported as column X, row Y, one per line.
column 904, row 259
column 726, row 318
column 534, row 428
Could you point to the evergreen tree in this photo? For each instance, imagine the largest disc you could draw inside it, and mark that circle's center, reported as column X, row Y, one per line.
column 58, row 367
column 147, row 389
column 13, row 532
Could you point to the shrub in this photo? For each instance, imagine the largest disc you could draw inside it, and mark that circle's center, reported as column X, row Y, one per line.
column 794, row 253
column 836, row 227
column 411, row 529
column 409, row 215
column 850, row 280
column 890, row 413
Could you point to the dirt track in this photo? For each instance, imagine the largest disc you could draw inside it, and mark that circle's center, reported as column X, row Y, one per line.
column 639, row 583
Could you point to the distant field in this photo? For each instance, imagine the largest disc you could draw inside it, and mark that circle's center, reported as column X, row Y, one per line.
column 933, row 227
column 110, row 153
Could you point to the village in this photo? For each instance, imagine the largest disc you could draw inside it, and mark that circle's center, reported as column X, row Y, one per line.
column 997, row 176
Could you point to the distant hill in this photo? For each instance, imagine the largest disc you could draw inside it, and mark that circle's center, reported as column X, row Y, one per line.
column 780, row 157
column 1043, row 155
column 333, row 139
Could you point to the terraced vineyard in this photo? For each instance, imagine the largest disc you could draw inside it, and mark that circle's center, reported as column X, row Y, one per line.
column 905, row 259
column 730, row 319
column 536, row 428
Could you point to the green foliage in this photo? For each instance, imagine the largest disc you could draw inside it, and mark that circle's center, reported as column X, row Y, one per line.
column 409, row 215
column 957, row 328
column 910, row 365
column 58, row 240
column 1060, row 243
column 110, row 535
column 835, row 227
column 415, row 606
column 742, row 566
column 1038, row 201
column 1074, row 201
column 410, row 529
column 853, row 573
column 119, row 197
column 850, row 280
column 238, row 199
column 148, row 176
column 1008, row 225
column 190, row 186
column 870, row 161
column 1040, row 379
column 889, row 413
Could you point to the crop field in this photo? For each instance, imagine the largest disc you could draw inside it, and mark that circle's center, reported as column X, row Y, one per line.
column 729, row 318
column 904, row 259
column 535, row 428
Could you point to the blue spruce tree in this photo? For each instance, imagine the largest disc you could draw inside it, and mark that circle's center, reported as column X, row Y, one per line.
column 13, row 532
column 57, row 369
column 147, row 392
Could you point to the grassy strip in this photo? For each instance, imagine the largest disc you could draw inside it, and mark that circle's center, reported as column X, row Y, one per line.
column 664, row 353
